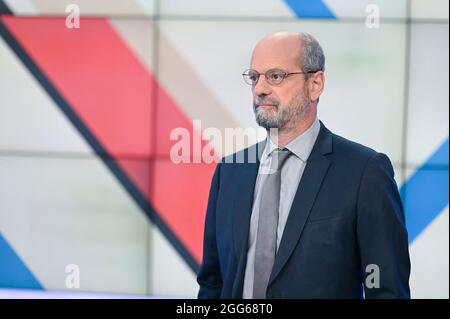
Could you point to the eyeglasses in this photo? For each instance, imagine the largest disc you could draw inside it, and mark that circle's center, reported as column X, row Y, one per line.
column 273, row 76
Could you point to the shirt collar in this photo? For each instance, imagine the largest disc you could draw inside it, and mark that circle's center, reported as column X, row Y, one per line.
column 301, row 146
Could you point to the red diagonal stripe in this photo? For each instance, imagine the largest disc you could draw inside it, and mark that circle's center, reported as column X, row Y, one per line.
column 111, row 91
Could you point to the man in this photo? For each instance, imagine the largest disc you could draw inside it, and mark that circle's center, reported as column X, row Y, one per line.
column 316, row 215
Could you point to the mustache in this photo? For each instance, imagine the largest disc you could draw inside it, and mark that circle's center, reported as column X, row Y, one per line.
column 264, row 100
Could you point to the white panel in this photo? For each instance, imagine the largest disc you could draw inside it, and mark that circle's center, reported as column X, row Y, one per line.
column 278, row 8
column 429, row 260
column 21, row 6
column 170, row 276
column 56, row 212
column 46, row 294
column 28, row 116
column 147, row 6
column 88, row 7
column 398, row 176
column 436, row 9
column 428, row 109
column 363, row 98
column 225, row 8
column 359, row 8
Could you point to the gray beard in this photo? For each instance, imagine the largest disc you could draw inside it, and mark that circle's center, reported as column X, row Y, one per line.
column 283, row 119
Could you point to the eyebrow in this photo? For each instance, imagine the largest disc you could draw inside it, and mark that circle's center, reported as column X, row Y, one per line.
column 274, row 68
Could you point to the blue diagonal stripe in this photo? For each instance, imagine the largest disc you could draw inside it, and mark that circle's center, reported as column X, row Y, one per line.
column 13, row 272
column 425, row 194
column 313, row 9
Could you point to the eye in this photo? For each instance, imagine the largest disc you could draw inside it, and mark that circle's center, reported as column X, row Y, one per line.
column 276, row 76
column 253, row 77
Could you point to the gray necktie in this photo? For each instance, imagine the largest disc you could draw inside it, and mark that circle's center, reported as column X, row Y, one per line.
column 266, row 239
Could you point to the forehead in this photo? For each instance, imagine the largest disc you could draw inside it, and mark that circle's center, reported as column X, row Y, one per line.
column 276, row 52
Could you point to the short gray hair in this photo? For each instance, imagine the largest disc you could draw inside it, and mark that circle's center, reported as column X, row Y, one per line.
column 311, row 55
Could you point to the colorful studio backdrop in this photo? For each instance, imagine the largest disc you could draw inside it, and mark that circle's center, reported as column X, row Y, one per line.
column 87, row 185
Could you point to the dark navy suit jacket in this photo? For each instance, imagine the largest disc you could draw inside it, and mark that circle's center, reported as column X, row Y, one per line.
column 346, row 216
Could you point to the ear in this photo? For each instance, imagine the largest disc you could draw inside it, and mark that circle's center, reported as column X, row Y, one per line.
column 316, row 84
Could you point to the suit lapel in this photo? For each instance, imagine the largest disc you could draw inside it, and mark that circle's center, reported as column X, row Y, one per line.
column 315, row 171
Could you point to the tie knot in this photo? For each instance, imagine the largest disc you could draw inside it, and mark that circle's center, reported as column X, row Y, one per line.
column 279, row 157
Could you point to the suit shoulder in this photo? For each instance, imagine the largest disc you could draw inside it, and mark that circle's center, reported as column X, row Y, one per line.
column 353, row 156
column 351, row 149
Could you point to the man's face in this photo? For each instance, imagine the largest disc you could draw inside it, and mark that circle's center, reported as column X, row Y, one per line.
column 279, row 106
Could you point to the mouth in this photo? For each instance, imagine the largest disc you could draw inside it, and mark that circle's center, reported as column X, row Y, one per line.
column 266, row 106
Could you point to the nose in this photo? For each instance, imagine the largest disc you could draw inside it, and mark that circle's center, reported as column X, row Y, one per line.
column 261, row 87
